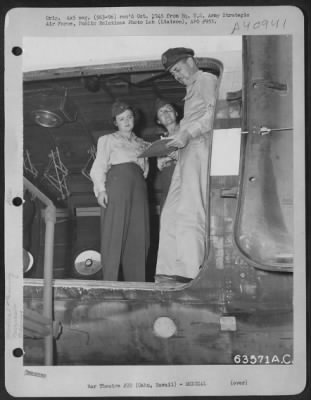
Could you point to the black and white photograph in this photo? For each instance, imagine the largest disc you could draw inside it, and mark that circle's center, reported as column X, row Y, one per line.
column 154, row 200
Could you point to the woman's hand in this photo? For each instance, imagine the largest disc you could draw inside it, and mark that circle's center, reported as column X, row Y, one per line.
column 163, row 162
column 102, row 198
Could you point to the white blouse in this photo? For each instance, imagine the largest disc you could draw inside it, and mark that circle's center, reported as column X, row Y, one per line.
column 115, row 149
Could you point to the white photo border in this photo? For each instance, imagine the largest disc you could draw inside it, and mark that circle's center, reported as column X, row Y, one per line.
column 271, row 380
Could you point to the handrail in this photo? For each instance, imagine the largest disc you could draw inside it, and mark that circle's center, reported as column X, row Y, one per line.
column 36, row 192
column 50, row 219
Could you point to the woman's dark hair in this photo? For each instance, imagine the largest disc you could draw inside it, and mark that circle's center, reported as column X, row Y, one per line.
column 178, row 115
column 128, row 108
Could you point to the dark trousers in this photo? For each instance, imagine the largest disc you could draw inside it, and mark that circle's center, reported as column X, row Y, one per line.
column 125, row 224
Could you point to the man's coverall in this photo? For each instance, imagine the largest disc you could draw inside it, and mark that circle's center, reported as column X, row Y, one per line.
column 183, row 219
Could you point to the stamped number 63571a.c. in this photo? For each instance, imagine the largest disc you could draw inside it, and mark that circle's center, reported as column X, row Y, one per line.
column 252, row 359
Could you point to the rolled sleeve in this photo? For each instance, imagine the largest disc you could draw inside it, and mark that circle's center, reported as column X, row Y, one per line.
column 204, row 124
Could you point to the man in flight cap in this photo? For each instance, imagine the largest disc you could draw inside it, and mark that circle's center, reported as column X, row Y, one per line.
column 183, row 219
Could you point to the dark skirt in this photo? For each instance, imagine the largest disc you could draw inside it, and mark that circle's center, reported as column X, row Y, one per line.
column 125, row 224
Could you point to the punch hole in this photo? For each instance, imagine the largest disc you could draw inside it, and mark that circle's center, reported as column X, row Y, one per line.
column 17, row 51
column 18, row 352
column 252, row 179
column 17, row 201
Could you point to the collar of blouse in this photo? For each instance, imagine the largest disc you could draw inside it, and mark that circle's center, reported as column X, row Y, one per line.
column 125, row 136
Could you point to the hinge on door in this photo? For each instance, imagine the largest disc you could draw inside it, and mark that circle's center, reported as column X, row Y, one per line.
column 267, row 84
column 263, row 130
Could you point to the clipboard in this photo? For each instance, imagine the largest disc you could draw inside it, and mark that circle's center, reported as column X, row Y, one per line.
column 158, row 149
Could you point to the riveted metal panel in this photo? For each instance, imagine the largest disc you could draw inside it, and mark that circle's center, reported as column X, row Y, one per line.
column 264, row 223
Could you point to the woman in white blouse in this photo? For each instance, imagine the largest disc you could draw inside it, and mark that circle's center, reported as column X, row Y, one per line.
column 118, row 175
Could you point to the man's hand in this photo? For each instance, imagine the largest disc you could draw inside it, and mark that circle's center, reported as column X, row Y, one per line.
column 102, row 198
column 180, row 140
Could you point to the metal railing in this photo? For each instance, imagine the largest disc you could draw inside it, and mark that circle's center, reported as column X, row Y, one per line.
column 50, row 219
